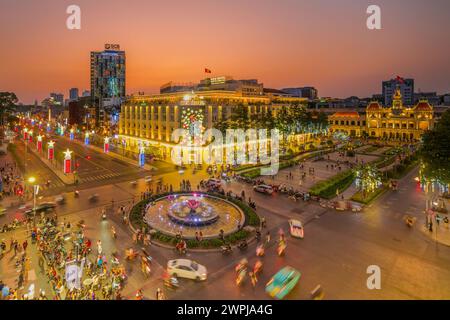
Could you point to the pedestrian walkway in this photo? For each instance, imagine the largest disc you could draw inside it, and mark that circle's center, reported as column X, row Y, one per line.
column 440, row 232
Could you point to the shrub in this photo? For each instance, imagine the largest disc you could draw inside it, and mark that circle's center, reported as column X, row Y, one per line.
column 327, row 188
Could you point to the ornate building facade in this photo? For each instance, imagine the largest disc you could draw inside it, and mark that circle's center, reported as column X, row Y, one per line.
column 150, row 119
column 397, row 122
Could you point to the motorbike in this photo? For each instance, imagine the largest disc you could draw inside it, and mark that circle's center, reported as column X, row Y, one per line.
column 93, row 198
column 180, row 249
column 260, row 250
column 258, row 267
column 172, row 283
column 243, row 245
column 226, row 249
column 281, row 248
column 241, row 277
column 81, row 224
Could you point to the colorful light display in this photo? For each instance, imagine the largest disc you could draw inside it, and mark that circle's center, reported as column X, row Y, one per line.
column 51, row 150
column 39, row 143
column 67, row 161
column 106, row 145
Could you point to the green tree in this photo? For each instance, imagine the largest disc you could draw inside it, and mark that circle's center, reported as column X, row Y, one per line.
column 435, row 150
column 8, row 102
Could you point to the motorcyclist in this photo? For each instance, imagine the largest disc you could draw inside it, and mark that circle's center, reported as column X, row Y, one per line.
column 281, row 246
column 258, row 267
column 258, row 235
column 181, row 246
column 253, row 278
column 139, row 295
column 226, row 247
column 241, row 276
column 243, row 244
column 242, row 265
column 159, row 294
column 260, row 250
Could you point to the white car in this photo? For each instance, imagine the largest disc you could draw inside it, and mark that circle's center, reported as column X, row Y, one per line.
column 263, row 189
column 148, row 179
column 186, row 268
column 213, row 183
column 296, row 228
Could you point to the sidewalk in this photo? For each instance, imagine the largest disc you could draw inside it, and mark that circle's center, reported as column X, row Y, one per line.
column 440, row 233
column 12, row 200
column 112, row 154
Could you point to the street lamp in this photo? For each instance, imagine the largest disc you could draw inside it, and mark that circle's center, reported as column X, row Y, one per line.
column 31, row 181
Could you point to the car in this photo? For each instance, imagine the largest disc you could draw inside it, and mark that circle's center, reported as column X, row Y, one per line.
column 186, row 268
column 283, row 282
column 296, row 228
column 42, row 207
column 93, row 197
column 61, row 199
column 148, row 179
column 213, row 183
column 263, row 188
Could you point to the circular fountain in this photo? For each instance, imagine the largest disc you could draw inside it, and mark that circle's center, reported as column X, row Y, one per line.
column 191, row 213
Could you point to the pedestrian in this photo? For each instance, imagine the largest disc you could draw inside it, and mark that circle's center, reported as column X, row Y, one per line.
column 25, row 245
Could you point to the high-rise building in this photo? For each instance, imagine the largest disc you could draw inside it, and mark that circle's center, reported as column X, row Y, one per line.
column 107, row 76
column 302, row 92
column 406, row 87
column 73, row 94
column 58, row 98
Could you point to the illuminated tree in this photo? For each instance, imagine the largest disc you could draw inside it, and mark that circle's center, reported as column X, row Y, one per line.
column 368, row 178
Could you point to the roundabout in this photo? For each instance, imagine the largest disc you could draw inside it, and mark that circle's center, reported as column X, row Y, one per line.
column 204, row 220
column 191, row 213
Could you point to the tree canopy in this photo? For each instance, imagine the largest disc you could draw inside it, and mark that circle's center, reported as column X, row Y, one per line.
column 435, row 150
column 8, row 101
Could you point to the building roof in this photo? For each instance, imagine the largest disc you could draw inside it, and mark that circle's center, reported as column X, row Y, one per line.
column 373, row 106
column 423, row 105
column 346, row 114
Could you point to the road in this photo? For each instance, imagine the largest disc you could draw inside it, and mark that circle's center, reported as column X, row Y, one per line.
column 337, row 249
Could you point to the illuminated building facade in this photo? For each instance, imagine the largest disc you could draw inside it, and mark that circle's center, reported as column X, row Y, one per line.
column 107, row 77
column 397, row 122
column 151, row 119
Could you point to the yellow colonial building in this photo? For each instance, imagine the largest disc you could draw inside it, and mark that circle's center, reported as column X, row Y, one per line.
column 397, row 122
column 149, row 120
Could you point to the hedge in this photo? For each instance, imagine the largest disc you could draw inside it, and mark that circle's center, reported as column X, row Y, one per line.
column 251, row 219
column 358, row 197
column 327, row 188
column 252, row 174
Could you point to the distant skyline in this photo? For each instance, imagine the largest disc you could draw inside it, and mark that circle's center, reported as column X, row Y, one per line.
column 286, row 43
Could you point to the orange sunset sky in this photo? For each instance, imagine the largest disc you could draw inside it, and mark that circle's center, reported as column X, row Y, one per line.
column 322, row 43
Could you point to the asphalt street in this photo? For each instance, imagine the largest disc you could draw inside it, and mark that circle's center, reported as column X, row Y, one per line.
column 337, row 249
